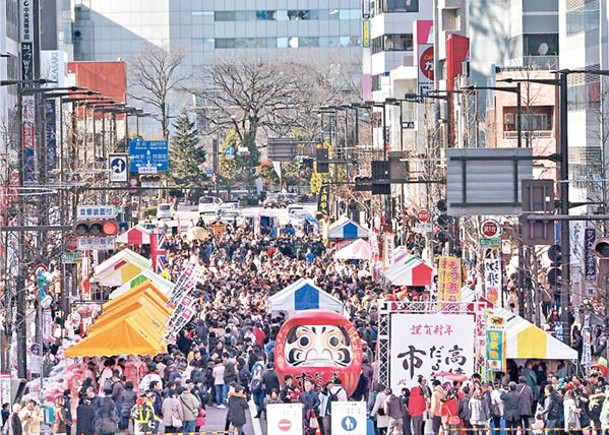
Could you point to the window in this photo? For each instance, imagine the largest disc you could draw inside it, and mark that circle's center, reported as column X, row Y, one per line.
column 536, row 118
column 400, row 5
column 377, row 45
column 202, row 13
column 303, row 14
column 398, row 42
column 543, row 44
column 266, row 15
column 224, row 43
column 308, row 42
column 376, row 82
column 224, row 15
column 584, row 18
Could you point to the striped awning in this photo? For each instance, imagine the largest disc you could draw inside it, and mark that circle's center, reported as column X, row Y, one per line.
column 409, row 270
column 135, row 236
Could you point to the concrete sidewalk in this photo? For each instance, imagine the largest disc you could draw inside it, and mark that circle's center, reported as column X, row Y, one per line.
column 216, row 421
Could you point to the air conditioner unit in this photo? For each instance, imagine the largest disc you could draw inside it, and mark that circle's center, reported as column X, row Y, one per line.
column 509, row 118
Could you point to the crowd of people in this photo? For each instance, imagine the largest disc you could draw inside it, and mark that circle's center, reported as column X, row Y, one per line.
column 224, row 357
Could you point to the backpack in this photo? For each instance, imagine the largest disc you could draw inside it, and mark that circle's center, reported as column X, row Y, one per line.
column 256, row 385
column 108, row 384
column 135, row 412
column 332, row 397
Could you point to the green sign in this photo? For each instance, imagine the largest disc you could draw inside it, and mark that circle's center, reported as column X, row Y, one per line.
column 72, row 257
column 493, row 242
column 495, row 349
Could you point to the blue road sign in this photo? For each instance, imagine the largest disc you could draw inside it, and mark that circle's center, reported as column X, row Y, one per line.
column 209, row 172
column 349, row 423
column 148, row 156
column 229, row 151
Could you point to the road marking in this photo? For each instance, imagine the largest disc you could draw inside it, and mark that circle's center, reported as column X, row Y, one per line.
column 255, row 421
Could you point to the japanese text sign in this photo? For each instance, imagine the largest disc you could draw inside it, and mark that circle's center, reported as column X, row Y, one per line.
column 449, row 280
column 495, row 350
column 492, row 279
column 423, row 344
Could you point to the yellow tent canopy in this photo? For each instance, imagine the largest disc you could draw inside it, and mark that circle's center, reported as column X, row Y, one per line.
column 147, row 287
column 134, row 323
column 126, row 336
column 143, row 306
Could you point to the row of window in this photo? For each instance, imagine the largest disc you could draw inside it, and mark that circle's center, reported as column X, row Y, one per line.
column 287, row 42
column 382, row 6
column 584, row 18
column 284, row 15
column 392, row 42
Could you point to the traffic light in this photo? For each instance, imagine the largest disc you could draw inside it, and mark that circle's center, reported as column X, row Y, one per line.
column 95, row 228
column 363, row 184
column 321, row 156
column 380, row 177
column 150, row 181
column 554, row 272
column 601, row 248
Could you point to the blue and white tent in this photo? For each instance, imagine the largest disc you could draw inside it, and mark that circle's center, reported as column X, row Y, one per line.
column 304, row 295
column 345, row 228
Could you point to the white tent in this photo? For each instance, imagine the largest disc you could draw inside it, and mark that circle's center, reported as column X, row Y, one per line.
column 146, row 275
column 345, row 228
column 122, row 256
column 358, row 250
column 304, row 295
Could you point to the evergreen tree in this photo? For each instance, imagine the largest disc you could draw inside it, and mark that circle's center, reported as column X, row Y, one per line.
column 186, row 155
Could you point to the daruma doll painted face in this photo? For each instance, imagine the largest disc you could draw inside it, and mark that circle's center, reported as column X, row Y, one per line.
column 321, row 346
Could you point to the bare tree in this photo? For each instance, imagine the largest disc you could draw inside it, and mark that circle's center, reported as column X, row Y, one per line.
column 278, row 98
column 155, row 74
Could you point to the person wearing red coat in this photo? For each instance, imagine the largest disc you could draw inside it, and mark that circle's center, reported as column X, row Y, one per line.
column 416, row 408
column 449, row 412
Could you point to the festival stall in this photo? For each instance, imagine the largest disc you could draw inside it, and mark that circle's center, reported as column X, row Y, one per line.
column 119, row 275
column 344, row 228
column 123, row 256
column 135, row 236
column 358, row 250
column 526, row 341
column 135, row 322
column 161, row 283
column 304, row 295
column 410, row 270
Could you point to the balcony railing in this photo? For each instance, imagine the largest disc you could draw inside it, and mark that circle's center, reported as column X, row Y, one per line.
column 541, row 134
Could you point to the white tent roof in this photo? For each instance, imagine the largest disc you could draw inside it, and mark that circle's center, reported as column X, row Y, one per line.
column 304, row 295
column 124, row 255
column 146, row 275
column 358, row 250
column 345, row 228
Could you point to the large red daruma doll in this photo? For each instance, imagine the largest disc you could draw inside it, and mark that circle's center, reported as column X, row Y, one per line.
column 319, row 345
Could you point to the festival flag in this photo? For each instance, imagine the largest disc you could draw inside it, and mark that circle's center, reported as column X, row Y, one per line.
column 158, row 251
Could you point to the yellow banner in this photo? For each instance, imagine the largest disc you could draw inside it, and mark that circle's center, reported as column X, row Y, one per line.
column 366, row 34
column 449, row 279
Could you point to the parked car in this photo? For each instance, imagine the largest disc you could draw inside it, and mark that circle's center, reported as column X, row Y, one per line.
column 233, row 217
column 274, row 200
column 164, row 211
column 209, row 205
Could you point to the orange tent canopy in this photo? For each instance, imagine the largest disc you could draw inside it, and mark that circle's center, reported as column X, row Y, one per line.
column 146, row 289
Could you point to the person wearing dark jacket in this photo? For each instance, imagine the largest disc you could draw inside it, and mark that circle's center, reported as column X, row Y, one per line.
column 236, row 409
column 405, row 399
column 310, row 399
column 511, row 408
column 270, row 380
column 552, row 409
column 84, row 417
column 393, row 410
column 105, row 417
column 14, row 422
column 525, row 401
column 127, row 400
column 417, row 406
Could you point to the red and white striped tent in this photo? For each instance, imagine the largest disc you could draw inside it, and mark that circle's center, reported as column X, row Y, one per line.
column 409, row 270
column 358, row 250
column 135, row 236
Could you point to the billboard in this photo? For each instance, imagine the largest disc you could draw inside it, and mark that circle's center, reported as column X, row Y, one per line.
column 424, row 344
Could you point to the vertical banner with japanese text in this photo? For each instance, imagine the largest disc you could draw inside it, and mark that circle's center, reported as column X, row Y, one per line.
column 495, row 349
column 424, row 344
column 449, row 279
column 589, row 258
column 388, row 249
column 28, row 129
column 492, row 280
column 323, row 201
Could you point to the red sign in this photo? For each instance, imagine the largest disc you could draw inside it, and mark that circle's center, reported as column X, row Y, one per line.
column 426, row 63
column 490, row 228
column 423, row 215
column 285, row 424
column 116, row 200
column 72, row 243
